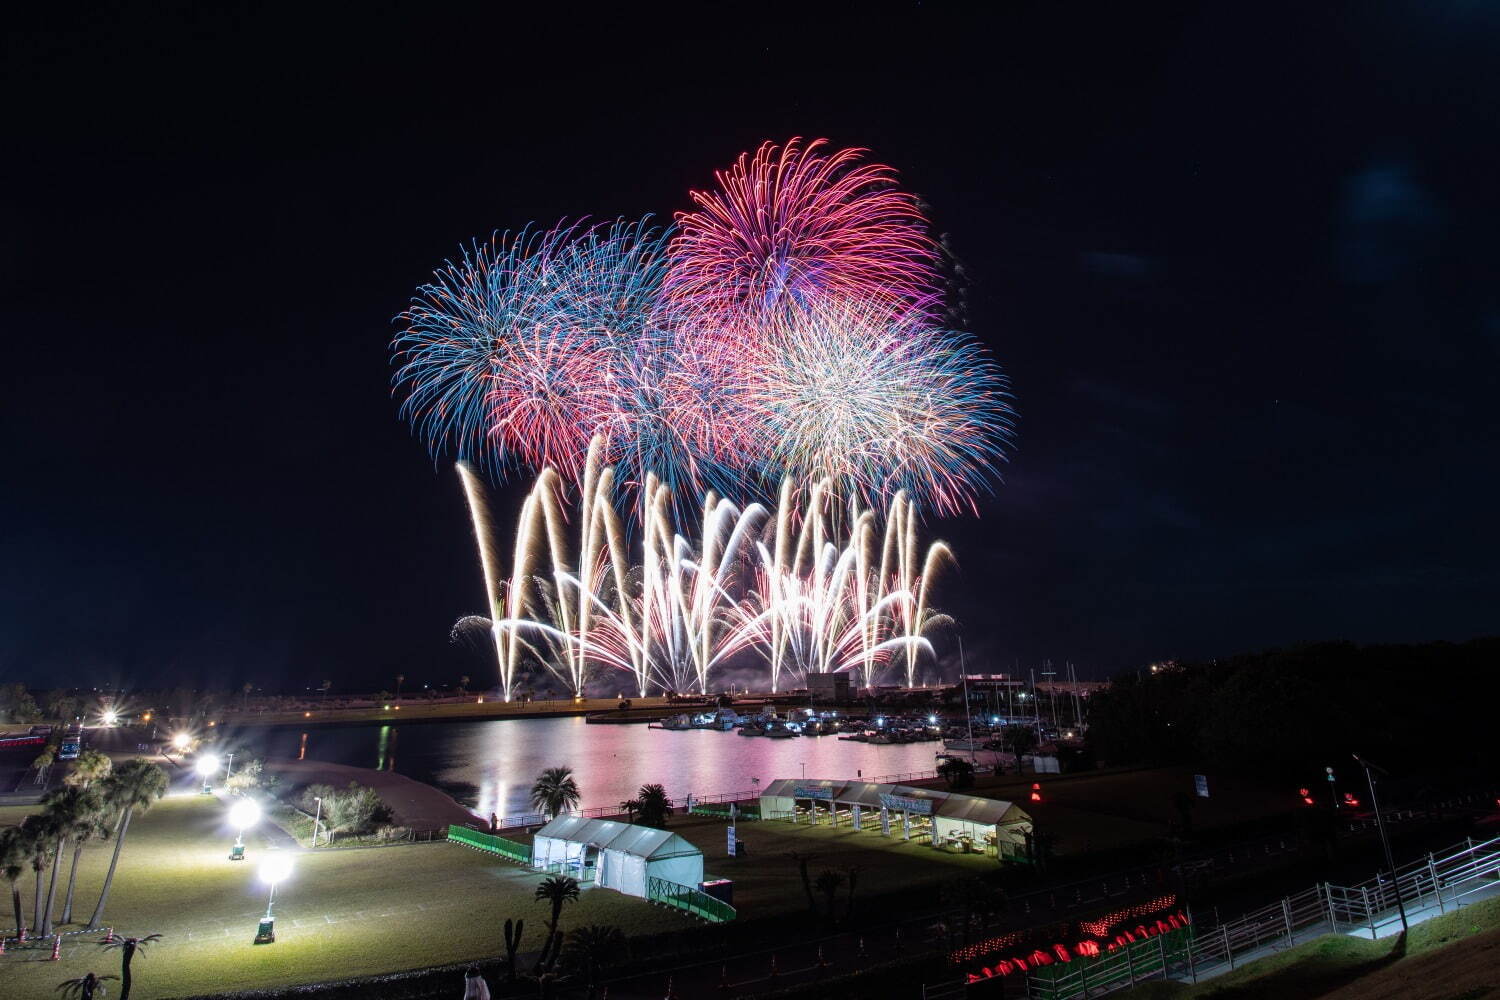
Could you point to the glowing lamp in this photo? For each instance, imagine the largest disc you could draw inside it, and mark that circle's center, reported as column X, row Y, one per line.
column 206, row 765
column 181, row 741
column 244, row 813
column 110, row 717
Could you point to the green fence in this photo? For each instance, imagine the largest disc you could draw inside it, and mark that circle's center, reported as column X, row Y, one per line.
column 721, row 810
column 689, row 900
column 508, row 849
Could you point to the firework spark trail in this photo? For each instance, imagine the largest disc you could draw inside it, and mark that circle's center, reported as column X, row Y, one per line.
column 784, row 329
column 802, row 587
column 879, row 407
column 796, row 222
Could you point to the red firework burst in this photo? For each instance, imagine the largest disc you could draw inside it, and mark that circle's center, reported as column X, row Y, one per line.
column 795, row 223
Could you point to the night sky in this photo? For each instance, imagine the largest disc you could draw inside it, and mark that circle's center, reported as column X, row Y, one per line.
column 1239, row 264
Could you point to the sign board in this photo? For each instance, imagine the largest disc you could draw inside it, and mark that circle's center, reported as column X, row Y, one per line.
column 905, row 804
column 812, row 792
column 732, row 841
column 1200, row 785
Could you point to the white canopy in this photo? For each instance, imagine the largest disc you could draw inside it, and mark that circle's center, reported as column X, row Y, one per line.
column 624, row 855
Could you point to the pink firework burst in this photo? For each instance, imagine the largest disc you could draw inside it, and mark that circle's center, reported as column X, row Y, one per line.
column 550, row 392
column 796, row 223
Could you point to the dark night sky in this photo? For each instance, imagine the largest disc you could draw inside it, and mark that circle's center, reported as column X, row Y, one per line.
column 1240, row 265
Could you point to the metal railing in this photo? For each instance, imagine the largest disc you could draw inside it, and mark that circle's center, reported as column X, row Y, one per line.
column 490, row 843
column 689, row 900
column 1441, row 881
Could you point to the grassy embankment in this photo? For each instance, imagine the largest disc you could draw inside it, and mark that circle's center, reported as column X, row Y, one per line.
column 342, row 913
column 1452, row 956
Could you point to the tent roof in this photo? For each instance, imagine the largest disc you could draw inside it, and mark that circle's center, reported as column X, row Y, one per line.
column 950, row 805
column 607, row 834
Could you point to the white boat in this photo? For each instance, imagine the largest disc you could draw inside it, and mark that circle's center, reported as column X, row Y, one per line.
column 963, row 744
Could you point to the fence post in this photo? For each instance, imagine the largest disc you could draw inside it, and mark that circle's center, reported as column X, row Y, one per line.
column 1436, row 889
column 1227, row 953
column 1188, row 940
column 1129, row 962
column 1369, row 913
column 1161, row 949
column 1333, row 920
column 1286, row 913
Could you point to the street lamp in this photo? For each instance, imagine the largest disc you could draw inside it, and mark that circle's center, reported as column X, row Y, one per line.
column 110, row 717
column 274, row 869
column 181, row 742
column 1390, row 861
column 207, row 767
column 244, row 813
column 316, row 817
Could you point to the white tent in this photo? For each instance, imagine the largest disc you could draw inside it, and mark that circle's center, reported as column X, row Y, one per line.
column 937, row 816
column 622, row 856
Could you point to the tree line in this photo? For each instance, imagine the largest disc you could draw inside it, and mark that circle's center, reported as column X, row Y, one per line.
column 1284, row 711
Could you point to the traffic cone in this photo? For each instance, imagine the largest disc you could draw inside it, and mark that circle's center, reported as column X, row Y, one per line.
column 109, row 935
column 671, row 993
column 56, row 947
column 773, row 965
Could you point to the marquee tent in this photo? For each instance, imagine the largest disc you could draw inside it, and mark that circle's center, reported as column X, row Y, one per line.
column 945, row 817
column 621, row 856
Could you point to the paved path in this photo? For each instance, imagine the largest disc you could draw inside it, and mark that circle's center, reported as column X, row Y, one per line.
column 411, row 803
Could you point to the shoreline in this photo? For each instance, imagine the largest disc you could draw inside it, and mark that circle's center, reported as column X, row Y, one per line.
column 416, row 712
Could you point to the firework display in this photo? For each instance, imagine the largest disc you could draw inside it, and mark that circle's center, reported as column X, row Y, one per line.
column 781, row 339
column 808, row 586
column 785, row 327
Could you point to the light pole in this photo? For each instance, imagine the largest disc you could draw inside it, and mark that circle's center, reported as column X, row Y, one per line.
column 244, row 813
column 963, row 667
column 207, row 767
column 1385, row 841
column 229, row 767
column 317, row 816
column 274, row 869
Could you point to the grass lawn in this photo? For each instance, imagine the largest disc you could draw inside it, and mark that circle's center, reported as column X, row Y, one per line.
column 1447, row 956
column 342, row 913
column 766, row 882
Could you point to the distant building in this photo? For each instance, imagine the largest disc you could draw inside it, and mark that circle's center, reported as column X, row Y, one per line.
column 832, row 687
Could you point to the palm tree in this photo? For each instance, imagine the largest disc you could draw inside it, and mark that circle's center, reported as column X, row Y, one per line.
column 134, row 786
column 44, row 762
column 630, row 807
column 557, row 890
column 654, row 806
column 555, row 791
column 90, row 767
column 85, row 987
column 68, row 809
column 597, row 945
column 41, row 829
column 15, row 853
column 829, row 884
column 92, row 824
column 128, row 947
